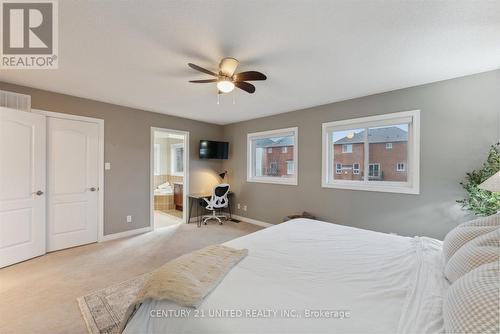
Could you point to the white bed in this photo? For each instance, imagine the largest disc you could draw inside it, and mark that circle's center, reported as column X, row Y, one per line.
column 386, row 283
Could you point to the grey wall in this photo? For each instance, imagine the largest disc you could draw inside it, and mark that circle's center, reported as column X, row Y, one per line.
column 459, row 120
column 127, row 147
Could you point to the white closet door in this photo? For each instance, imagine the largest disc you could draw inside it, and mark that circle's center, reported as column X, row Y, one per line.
column 22, row 186
column 73, row 175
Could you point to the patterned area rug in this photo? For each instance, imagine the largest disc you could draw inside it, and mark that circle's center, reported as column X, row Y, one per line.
column 104, row 309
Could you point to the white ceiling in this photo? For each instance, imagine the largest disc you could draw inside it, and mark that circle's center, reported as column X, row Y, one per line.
column 134, row 53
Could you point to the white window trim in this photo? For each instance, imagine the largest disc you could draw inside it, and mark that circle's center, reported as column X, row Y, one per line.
column 356, row 171
column 251, row 156
column 346, row 145
column 400, row 170
column 378, row 169
column 287, row 164
column 338, row 170
column 412, row 186
column 388, row 146
column 284, row 149
column 173, row 147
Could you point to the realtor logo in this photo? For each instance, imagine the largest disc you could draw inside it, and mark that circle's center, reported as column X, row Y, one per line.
column 29, row 34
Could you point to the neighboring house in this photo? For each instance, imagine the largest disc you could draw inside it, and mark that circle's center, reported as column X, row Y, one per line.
column 275, row 157
column 387, row 155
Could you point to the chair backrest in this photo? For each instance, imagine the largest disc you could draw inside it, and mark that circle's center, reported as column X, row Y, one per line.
column 219, row 196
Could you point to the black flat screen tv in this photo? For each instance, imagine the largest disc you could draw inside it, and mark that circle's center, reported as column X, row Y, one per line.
column 214, row 149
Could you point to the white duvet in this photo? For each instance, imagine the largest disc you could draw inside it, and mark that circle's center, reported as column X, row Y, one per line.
column 307, row 276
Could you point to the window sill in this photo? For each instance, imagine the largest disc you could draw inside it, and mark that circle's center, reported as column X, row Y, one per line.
column 274, row 180
column 370, row 186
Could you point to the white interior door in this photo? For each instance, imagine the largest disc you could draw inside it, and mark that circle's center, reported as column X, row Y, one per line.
column 22, row 186
column 73, row 175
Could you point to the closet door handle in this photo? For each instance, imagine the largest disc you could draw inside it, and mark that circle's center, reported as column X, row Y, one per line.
column 93, row 189
column 38, row 193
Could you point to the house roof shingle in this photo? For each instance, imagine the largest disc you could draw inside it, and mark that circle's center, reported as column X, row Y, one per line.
column 283, row 141
column 388, row 134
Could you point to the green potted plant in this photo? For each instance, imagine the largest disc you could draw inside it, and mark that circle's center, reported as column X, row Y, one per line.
column 482, row 202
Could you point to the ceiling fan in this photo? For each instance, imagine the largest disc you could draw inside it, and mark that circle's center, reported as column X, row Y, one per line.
column 226, row 79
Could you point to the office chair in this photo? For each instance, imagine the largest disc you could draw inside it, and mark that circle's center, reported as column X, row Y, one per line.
column 217, row 201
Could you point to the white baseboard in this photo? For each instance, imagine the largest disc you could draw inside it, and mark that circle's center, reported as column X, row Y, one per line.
column 252, row 221
column 126, row 233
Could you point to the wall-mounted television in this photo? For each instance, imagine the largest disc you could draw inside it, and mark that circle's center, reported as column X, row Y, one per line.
column 214, row 149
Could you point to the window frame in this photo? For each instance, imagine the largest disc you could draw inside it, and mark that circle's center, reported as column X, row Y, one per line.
column 411, row 186
column 344, row 146
column 378, row 169
column 337, row 169
column 400, row 170
column 388, row 146
column 251, row 137
column 356, row 171
column 287, row 166
column 173, row 159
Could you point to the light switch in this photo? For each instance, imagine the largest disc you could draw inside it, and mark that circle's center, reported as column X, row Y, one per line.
column 107, row 165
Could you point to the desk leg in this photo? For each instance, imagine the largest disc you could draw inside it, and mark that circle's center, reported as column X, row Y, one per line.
column 190, row 209
column 197, row 212
column 230, row 214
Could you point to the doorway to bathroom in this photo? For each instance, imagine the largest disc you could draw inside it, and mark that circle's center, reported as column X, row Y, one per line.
column 169, row 177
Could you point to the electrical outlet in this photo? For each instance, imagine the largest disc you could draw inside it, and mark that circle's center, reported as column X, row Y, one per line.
column 244, row 208
column 129, row 219
column 239, row 206
column 107, row 165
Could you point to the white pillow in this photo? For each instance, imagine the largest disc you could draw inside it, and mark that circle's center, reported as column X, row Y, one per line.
column 460, row 235
column 164, row 185
column 472, row 303
column 481, row 250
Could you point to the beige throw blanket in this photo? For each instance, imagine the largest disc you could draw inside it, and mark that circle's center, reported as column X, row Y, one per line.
column 188, row 279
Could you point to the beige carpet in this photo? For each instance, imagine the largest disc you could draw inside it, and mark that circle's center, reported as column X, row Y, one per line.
column 170, row 218
column 39, row 295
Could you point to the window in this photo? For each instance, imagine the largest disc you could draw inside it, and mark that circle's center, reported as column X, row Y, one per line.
column 338, row 168
column 289, row 167
column 278, row 167
column 157, row 160
column 270, row 150
column 376, row 145
column 347, row 148
column 177, row 159
column 355, row 169
column 373, row 171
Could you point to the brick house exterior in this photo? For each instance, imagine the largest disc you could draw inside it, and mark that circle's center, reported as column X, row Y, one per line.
column 388, row 155
column 277, row 157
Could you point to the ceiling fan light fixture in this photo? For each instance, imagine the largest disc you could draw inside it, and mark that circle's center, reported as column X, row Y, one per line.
column 225, row 85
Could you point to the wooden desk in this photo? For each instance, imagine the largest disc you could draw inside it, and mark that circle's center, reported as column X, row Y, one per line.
column 197, row 197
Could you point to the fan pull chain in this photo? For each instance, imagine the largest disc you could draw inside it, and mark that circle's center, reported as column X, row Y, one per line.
column 218, row 98
column 234, row 98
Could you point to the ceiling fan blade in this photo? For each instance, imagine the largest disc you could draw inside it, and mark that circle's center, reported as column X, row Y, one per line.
column 247, row 87
column 201, row 69
column 203, row 81
column 249, row 76
column 227, row 66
